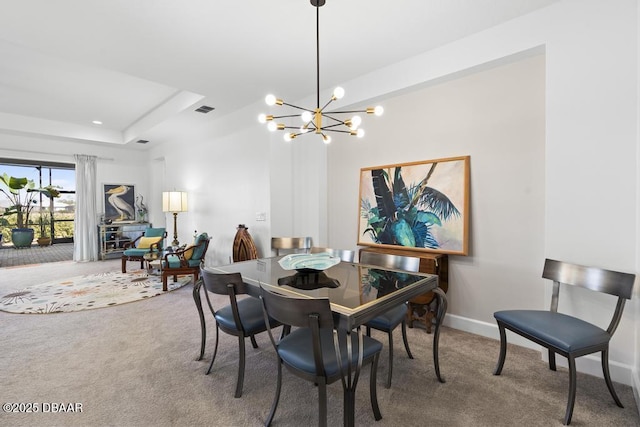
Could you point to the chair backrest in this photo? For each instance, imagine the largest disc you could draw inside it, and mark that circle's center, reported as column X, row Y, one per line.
column 299, row 312
column 156, row 232
column 344, row 254
column 220, row 283
column 312, row 313
column 201, row 245
column 397, row 262
column 596, row 279
column 295, row 244
column 230, row 284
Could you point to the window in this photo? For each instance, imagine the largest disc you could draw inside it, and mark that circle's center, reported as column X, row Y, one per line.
column 54, row 217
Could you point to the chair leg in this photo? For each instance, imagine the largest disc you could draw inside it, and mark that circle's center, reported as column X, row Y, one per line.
column 241, row 364
column 607, row 377
column 254, row 344
column 373, row 389
column 322, row 403
column 203, row 326
column 124, row 265
column 215, row 350
column 276, row 398
column 390, row 371
column 503, row 350
column 552, row 360
column 164, row 282
column 406, row 341
column 572, row 390
column 409, row 315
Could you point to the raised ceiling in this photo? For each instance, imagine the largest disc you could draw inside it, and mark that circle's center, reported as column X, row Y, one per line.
column 138, row 64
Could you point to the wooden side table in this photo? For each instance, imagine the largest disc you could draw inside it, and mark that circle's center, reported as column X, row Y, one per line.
column 422, row 308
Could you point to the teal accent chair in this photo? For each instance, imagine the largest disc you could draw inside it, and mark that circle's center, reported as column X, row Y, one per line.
column 135, row 250
column 185, row 261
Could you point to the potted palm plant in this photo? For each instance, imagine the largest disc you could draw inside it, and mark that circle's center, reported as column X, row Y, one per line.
column 22, row 195
column 45, row 221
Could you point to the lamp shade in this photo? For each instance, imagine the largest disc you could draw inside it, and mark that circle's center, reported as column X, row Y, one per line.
column 174, row 201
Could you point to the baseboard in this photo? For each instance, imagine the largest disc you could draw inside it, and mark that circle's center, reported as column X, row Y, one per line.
column 620, row 373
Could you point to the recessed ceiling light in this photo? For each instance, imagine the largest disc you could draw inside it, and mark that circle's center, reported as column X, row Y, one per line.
column 97, row 122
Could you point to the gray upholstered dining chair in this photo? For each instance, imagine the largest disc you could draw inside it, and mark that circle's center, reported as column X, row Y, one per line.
column 291, row 244
column 567, row 335
column 309, row 350
column 241, row 317
column 344, row 254
column 388, row 321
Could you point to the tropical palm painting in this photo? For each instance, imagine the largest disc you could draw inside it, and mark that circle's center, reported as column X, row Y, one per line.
column 420, row 206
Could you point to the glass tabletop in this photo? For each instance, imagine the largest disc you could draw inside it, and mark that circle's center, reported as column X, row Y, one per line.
column 356, row 291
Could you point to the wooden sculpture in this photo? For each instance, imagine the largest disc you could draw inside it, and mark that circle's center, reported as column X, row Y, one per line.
column 243, row 246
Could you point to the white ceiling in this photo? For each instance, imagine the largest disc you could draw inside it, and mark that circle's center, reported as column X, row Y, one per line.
column 136, row 64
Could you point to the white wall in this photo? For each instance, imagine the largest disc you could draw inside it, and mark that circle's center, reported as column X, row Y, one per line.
column 497, row 117
column 636, row 301
column 590, row 161
column 226, row 173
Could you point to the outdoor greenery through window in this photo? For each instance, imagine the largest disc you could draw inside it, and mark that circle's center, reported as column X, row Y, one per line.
column 49, row 217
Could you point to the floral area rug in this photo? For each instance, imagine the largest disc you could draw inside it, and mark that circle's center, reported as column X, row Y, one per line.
column 87, row 292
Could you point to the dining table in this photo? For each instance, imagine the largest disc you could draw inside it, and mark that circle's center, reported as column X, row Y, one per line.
column 357, row 293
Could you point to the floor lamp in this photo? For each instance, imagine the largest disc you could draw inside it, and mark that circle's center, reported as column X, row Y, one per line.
column 174, row 202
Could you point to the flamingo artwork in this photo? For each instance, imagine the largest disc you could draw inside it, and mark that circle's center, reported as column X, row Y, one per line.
column 116, row 198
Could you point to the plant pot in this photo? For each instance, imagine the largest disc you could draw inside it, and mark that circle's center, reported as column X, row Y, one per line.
column 22, row 237
column 44, row 241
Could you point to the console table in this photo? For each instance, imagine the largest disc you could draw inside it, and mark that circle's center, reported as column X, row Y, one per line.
column 113, row 237
column 422, row 307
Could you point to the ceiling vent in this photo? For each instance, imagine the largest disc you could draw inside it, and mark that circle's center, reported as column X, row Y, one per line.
column 142, row 141
column 204, row 109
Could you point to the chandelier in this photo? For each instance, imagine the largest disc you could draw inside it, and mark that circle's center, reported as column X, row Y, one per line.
column 317, row 120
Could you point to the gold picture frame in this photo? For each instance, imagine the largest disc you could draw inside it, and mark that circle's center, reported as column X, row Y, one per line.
column 421, row 206
column 119, row 203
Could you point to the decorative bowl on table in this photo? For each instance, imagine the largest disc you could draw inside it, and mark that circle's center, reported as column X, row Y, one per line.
column 308, row 263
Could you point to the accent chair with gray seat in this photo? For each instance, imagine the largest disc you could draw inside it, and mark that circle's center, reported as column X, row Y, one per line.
column 309, row 351
column 242, row 317
column 390, row 320
column 567, row 335
column 344, row 254
column 291, row 244
column 151, row 240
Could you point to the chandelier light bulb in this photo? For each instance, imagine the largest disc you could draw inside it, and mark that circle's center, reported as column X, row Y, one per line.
column 304, row 129
column 326, row 139
column 289, row 136
column 272, row 126
column 307, row 116
column 262, row 118
column 360, row 133
column 338, row 93
column 378, row 110
column 270, row 100
column 355, row 122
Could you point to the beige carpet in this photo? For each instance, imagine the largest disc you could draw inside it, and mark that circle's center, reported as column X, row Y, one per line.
column 134, row 365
